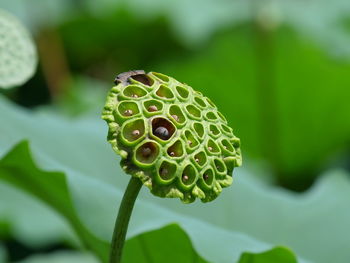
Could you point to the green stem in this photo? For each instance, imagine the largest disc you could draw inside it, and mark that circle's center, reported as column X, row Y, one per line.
column 123, row 218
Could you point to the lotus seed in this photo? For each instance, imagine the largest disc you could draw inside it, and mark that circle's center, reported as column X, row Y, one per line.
column 128, row 112
column 185, row 177
column 146, row 152
column 162, row 133
column 210, row 148
column 172, row 154
column 175, row 117
column 136, row 133
column 152, row 108
column 163, row 171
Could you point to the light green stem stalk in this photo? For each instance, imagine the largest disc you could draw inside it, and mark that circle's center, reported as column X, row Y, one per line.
column 123, row 218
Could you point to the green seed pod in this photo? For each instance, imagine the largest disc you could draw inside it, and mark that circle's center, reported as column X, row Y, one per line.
column 170, row 136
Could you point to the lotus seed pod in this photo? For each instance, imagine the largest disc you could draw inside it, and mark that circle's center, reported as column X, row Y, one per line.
column 170, row 136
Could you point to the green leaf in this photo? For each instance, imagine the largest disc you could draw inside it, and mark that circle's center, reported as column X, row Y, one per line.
column 278, row 254
column 168, row 244
column 18, row 58
column 90, row 194
column 3, row 256
column 301, row 123
column 21, row 216
column 61, row 257
column 50, row 187
column 249, row 217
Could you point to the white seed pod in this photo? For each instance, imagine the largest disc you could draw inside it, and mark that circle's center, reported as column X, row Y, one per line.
column 18, row 56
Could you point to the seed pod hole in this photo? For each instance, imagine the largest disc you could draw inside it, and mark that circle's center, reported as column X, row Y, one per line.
column 182, row 92
column 153, row 106
column 219, row 165
column 236, row 142
column 167, row 170
column 161, row 76
column 211, row 116
column 200, row 158
column 134, row 92
column 226, row 145
column 193, row 111
column 199, row 129
column 188, row 175
column 143, row 78
column 208, row 176
column 133, row 130
column 214, row 130
column 147, row 152
column 191, row 140
column 210, row 102
column 162, row 128
column 176, row 149
column 164, row 92
column 212, row 147
column 221, row 116
column 128, row 108
column 200, row 102
column 226, row 129
column 176, row 113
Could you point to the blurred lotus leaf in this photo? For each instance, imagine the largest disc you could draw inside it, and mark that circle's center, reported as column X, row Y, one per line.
column 313, row 215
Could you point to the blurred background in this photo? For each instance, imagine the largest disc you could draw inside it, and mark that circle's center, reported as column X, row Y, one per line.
column 279, row 70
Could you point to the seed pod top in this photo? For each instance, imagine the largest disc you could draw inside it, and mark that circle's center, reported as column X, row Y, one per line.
column 171, row 137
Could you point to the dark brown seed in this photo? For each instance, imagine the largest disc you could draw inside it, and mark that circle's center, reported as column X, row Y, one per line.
column 152, row 108
column 162, row 133
column 128, row 113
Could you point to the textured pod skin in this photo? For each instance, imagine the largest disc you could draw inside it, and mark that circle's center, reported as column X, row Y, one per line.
column 171, row 137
